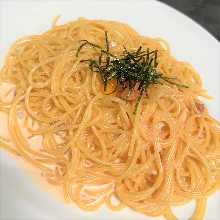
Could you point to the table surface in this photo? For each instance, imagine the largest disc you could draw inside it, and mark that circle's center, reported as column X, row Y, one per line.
column 205, row 12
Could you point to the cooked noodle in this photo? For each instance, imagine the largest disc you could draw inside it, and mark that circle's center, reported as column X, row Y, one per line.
column 91, row 144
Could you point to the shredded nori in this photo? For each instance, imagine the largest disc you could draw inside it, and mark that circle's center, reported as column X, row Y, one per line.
column 131, row 68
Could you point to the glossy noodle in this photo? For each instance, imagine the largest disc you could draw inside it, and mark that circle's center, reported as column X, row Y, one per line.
column 90, row 142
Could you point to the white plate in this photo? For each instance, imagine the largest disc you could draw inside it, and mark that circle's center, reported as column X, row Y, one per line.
column 22, row 198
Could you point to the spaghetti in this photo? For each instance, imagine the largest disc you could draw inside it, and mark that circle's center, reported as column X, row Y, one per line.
column 91, row 143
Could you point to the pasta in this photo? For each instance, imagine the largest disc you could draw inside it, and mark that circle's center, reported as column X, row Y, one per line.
column 90, row 143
